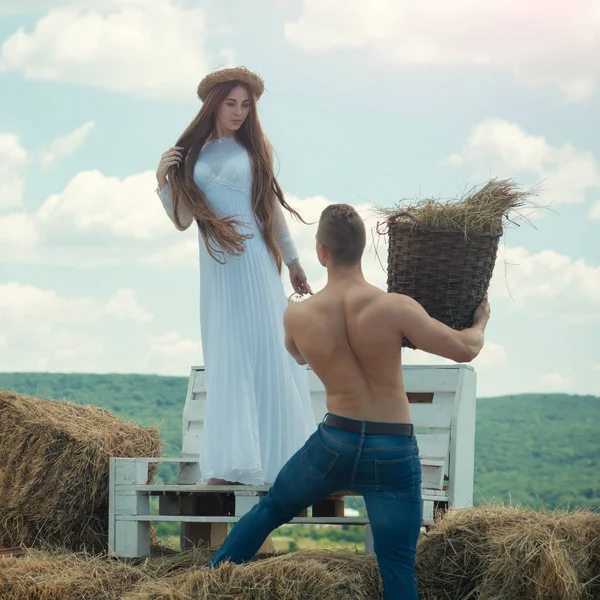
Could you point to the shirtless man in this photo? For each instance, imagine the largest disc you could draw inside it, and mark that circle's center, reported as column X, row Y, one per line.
column 350, row 334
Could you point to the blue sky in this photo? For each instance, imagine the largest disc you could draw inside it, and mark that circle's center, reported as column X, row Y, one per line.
column 365, row 104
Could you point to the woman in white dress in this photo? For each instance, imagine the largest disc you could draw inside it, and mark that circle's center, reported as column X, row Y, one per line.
column 220, row 174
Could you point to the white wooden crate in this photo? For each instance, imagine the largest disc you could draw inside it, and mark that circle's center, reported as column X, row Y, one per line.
column 443, row 412
column 130, row 517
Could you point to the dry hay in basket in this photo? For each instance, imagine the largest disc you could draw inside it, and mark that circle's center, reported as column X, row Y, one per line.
column 54, row 464
column 505, row 553
column 443, row 254
column 485, row 209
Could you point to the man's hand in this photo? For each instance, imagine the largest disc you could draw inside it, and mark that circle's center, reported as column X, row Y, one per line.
column 298, row 279
column 482, row 313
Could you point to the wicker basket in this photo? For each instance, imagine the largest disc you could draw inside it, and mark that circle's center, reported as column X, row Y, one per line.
column 447, row 273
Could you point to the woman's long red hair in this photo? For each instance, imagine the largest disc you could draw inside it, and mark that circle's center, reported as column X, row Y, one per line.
column 224, row 235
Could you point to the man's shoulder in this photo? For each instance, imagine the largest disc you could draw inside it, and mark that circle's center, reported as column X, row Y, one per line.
column 297, row 308
column 393, row 303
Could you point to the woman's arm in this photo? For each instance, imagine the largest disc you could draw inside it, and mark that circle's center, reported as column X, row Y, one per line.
column 186, row 218
column 280, row 227
column 283, row 238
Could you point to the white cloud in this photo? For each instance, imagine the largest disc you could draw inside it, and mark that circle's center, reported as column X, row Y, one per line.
column 44, row 330
column 229, row 55
column 547, row 283
column 505, row 34
column 491, row 355
column 20, row 7
column 66, row 144
column 594, row 211
column 17, row 232
column 13, row 157
column 172, row 354
column 152, row 49
column 96, row 221
column 93, row 204
column 179, row 253
column 503, row 149
column 23, row 303
column 555, row 382
column 20, row 303
column 125, row 306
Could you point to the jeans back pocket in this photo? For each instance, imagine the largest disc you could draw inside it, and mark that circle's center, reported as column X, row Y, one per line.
column 317, row 460
column 399, row 477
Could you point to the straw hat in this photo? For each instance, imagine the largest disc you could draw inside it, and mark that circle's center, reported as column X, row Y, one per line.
column 236, row 74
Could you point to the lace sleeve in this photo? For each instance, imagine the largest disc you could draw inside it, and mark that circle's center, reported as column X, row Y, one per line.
column 185, row 216
column 282, row 233
column 283, row 237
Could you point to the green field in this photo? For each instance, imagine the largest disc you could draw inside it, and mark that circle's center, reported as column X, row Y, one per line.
column 538, row 450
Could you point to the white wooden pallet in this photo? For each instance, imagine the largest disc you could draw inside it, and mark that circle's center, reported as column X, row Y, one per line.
column 443, row 412
column 442, row 407
column 130, row 516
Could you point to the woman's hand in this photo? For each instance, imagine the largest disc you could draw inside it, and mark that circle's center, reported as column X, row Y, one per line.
column 173, row 156
column 298, row 278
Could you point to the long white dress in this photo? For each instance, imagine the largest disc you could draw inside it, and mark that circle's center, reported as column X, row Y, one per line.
column 258, row 410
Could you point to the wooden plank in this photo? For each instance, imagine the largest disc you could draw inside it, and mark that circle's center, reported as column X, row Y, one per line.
column 126, row 501
column 194, row 534
column 434, row 445
column 428, row 512
column 191, row 444
column 152, row 459
column 436, row 412
column 430, row 379
column 195, row 412
column 131, row 470
column 235, row 519
column 111, row 505
column 432, row 477
column 244, row 502
column 188, row 473
column 199, row 386
column 431, row 416
column 417, row 378
column 132, row 538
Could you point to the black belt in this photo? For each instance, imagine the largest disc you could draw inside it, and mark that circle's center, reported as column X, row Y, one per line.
column 371, row 427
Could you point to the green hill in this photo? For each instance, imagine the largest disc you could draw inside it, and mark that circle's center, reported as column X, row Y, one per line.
column 530, row 449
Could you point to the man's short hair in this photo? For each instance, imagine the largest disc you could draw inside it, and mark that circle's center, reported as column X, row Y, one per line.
column 342, row 232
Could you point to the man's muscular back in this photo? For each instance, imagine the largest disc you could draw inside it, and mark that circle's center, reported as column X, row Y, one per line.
column 351, row 334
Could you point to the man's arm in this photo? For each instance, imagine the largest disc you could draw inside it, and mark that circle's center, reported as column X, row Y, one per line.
column 289, row 319
column 430, row 335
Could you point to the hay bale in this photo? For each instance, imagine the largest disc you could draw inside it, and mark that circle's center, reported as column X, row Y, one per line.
column 46, row 576
column 55, row 575
column 303, row 575
column 579, row 531
column 491, row 553
column 510, row 553
column 54, row 463
column 442, row 253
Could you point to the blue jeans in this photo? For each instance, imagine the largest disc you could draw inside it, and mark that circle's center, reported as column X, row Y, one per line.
column 384, row 469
